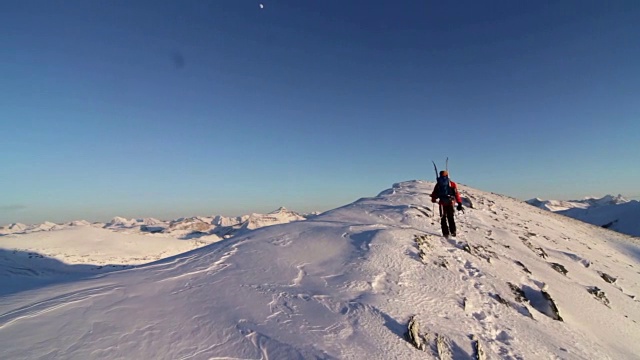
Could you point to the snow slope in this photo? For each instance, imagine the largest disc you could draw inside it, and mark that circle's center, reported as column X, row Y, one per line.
column 344, row 284
column 612, row 212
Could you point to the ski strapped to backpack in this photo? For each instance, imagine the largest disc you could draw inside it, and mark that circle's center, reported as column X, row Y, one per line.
column 436, row 168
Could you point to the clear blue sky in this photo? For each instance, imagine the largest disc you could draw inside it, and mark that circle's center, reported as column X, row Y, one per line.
column 179, row 108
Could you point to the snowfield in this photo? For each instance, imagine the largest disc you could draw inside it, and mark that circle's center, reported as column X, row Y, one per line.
column 91, row 245
column 517, row 283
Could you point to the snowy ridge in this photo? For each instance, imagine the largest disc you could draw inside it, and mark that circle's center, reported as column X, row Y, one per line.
column 120, row 222
column 517, row 283
column 611, row 212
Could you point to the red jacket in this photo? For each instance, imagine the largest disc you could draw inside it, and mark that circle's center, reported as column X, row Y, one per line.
column 434, row 194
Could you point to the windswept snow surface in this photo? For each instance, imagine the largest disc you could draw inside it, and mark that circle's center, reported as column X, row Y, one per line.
column 344, row 284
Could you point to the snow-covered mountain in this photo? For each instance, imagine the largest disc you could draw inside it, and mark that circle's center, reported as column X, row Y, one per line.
column 611, row 212
column 123, row 242
column 123, row 223
column 589, row 202
column 280, row 216
column 217, row 227
column 21, row 228
column 517, row 283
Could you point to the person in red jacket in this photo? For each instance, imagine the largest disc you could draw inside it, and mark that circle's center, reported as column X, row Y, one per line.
column 445, row 192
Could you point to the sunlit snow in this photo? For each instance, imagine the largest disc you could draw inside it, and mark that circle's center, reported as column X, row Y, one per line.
column 518, row 281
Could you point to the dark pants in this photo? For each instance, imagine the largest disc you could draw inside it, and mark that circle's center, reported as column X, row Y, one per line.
column 446, row 214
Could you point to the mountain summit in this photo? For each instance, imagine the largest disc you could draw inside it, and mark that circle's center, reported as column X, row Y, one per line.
column 517, row 282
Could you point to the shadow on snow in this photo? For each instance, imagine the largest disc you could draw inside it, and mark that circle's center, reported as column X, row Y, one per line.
column 23, row 271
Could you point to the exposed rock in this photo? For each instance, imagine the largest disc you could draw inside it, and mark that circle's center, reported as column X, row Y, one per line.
column 483, row 252
column 421, row 240
column 191, row 224
column 552, row 305
column 442, row 262
column 467, row 248
column 478, row 351
column 598, row 294
column 518, row 293
column 500, row 299
column 559, row 268
column 523, row 267
column 224, row 221
column 608, row 278
column 423, row 247
column 413, row 334
column 443, row 348
column 152, row 229
column 79, row 223
column 538, row 250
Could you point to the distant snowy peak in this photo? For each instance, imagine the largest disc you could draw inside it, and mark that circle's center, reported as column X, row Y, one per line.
column 280, row 210
column 553, row 205
column 19, row 228
column 192, row 224
column 184, row 227
column 118, row 222
column 561, row 205
column 279, row 216
column 124, row 223
column 47, row 226
column 607, row 200
column 12, row 228
column 611, row 212
column 285, row 214
column 229, row 221
column 220, row 226
column 78, row 223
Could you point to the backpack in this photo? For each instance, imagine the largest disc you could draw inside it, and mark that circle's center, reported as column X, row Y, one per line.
column 445, row 191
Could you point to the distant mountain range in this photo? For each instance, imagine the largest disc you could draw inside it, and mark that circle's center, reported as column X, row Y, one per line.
column 611, row 212
column 374, row 279
column 183, row 228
